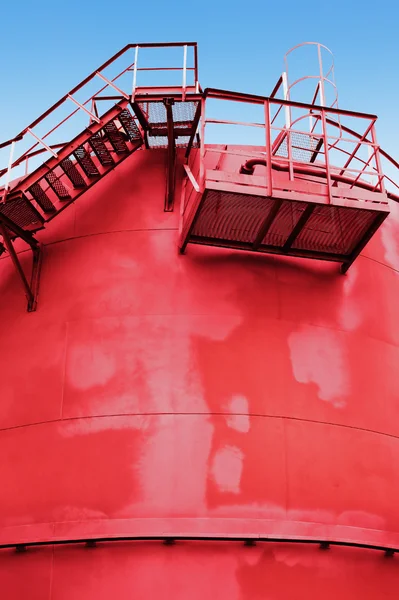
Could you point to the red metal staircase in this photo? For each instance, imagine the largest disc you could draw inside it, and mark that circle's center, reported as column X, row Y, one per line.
column 150, row 117
column 40, row 196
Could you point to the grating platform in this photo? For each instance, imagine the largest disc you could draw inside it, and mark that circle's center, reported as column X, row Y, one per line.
column 184, row 121
column 281, row 226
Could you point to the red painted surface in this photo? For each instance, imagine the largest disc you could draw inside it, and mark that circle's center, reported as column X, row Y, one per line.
column 217, row 392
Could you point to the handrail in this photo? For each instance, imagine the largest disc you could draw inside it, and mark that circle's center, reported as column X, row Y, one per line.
column 338, row 151
column 256, row 99
column 82, row 106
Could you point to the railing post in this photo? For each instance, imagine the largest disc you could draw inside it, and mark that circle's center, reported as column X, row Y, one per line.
column 322, row 90
column 184, row 71
column 287, row 110
column 9, row 167
column 377, row 159
column 269, row 181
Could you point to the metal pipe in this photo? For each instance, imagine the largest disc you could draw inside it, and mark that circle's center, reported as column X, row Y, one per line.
column 248, row 168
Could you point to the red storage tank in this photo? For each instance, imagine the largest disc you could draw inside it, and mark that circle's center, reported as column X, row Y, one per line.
column 220, row 423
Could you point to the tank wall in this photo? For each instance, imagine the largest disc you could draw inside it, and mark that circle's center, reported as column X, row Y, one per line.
column 215, row 392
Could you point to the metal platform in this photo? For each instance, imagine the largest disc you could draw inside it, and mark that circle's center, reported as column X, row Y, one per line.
column 313, row 194
column 275, row 225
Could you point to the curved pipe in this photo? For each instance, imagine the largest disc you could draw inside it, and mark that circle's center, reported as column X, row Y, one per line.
column 248, row 168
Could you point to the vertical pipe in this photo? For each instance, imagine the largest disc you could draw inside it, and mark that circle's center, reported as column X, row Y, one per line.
column 202, row 147
column 287, row 109
column 184, row 71
column 171, row 174
column 269, row 182
column 196, row 68
column 136, row 56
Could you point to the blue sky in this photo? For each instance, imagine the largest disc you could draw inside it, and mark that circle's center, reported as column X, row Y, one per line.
column 48, row 47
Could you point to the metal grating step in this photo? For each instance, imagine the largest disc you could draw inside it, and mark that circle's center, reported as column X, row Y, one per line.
column 129, row 125
column 72, row 173
column 86, row 162
column 101, row 150
column 116, row 138
column 57, row 186
column 41, row 198
column 22, row 212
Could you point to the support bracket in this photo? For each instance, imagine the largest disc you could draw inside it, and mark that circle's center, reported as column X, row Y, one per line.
column 31, row 288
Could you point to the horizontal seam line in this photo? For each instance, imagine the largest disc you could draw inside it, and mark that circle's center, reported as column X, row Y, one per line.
column 79, row 237
column 196, row 414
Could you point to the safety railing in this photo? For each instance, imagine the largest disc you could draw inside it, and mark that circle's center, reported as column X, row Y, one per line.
column 299, row 139
column 284, row 149
column 125, row 75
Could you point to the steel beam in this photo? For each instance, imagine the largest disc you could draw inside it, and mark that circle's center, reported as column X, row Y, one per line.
column 298, row 227
column 267, row 223
column 380, row 218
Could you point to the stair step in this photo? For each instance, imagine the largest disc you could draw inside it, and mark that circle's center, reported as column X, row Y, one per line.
column 57, row 186
column 22, row 212
column 101, row 150
column 129, row 125
column 72, row 173
column 41, row 198
column 116, row 138
column 86, row 162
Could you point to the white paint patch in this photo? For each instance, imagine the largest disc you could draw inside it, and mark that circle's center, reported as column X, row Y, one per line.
column 226, row 469
column 175, row 448
column 238, row 418
column 318, row 356
column 349, row 313
column 363, row 519
column 89, row 366
column 90, row 425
